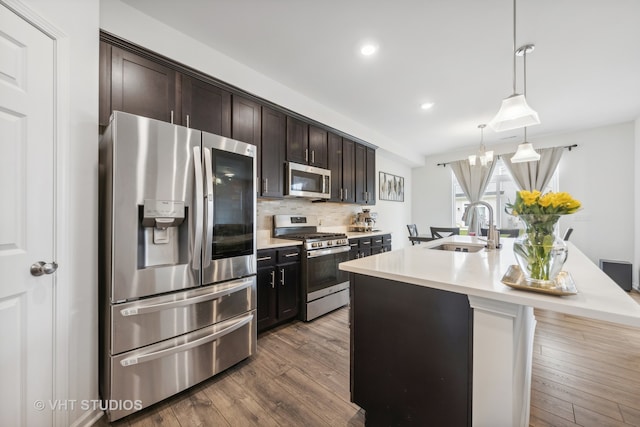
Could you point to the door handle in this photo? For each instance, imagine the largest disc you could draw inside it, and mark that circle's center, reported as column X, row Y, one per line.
column 39, row 268
column 273, row 279
column 208, row 218
column 198, row 201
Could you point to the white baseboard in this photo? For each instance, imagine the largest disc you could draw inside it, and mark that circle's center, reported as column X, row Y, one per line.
column 89, row 418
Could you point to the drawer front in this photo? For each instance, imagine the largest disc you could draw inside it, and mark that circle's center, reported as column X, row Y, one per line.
column 365, row 243
column 148, row 321
column 376, row 241
column 177, row 364
column 266, row 257
column 288, row 255
column 386, row 239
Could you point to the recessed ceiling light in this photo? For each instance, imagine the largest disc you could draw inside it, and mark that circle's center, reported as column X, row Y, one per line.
column 368, row 49
column 426, row 105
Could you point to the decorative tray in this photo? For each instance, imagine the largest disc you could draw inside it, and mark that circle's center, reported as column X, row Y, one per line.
column 562, row 285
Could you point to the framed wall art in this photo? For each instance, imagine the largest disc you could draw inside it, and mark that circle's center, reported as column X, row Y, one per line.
column 391, row 187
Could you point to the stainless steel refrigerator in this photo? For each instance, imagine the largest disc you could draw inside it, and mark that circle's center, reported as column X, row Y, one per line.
column 177, row 259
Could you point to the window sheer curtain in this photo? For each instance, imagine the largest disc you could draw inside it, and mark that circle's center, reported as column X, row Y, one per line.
column 474, row 181
column 534, row 175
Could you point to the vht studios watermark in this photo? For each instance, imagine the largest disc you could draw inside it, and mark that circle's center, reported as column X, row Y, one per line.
column 87, row 404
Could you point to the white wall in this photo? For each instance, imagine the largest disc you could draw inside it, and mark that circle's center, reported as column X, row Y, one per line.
column 432, row 196
column 636, row 257
column 394, row 216
column 77, row 275
column 599, row 172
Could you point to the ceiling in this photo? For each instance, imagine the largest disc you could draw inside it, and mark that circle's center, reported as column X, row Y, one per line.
column 583, row 73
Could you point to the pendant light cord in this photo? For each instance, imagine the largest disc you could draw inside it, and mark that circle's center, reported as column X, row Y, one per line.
column 524, row 84
column 514, row 46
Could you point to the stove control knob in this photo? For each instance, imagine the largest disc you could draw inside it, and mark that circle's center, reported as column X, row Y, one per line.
column 329, row 242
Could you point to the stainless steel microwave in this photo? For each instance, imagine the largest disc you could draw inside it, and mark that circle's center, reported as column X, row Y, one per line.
column 308, row 181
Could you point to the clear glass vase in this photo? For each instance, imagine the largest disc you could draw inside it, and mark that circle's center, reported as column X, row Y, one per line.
column 539, row 251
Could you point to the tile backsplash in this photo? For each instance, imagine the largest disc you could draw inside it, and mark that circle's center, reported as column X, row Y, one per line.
column 330, row 214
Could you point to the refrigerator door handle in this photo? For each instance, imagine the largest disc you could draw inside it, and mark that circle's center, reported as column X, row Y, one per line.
column 236, row 285
column 208, row 240
column 134, row 360
column 198, row 220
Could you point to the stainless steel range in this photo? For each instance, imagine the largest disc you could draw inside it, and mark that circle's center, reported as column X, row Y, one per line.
column 324, row 287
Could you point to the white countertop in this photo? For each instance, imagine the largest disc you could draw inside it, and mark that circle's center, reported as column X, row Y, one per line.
column 479, row 274
column 358, row 234
column 265, row 241
column 272, row 243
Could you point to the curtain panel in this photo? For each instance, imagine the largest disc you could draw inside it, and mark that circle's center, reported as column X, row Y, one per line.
column 474, row 181
column 534, row 175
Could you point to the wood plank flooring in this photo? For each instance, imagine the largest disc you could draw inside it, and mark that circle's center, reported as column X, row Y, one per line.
column 585, row 373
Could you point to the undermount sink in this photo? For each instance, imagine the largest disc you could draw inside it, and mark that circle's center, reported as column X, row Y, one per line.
column 458, row 247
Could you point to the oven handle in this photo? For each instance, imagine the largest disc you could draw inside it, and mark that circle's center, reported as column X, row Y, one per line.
column 187, row 346
column 321, row 252
column 152, row 308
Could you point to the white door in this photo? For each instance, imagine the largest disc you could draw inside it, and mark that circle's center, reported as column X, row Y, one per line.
column 26, row 222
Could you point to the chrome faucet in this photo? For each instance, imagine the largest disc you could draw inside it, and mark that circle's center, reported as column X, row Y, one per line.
column 493, row 236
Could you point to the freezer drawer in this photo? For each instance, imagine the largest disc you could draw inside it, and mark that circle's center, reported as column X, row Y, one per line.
column 152, row 320
column 155, row 372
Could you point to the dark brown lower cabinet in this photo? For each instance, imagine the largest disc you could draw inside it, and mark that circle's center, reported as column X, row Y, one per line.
column 411, row 353
column 278, row 286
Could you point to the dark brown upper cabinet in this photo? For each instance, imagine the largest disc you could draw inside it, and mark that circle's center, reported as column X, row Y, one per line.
column 297, row 141
column 348, row 171
column 246, row 126
column 371, row 176
column 365, row 178
column 143, row 87
column 317, row 147
column 274, row 134
column 205, row 107
column 140, row 82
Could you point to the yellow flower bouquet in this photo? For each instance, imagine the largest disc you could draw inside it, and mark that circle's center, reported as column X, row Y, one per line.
column 539, row 252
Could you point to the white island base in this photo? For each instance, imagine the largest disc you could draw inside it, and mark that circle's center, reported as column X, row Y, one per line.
column 503, row 320
column 501, row 371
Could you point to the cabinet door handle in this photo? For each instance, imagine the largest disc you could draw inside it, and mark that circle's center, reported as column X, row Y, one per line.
column 313, row 156
column 306, row 155
column 291, row 254
column 346, row 193
column 273, row 279
column 266, row 185
column 188, row 121
column 264, row 258
column 282, row 276
column 341, row 194
column 171, row 116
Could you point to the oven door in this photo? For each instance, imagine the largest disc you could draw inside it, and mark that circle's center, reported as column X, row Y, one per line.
column 321, row 275
column 229, row 247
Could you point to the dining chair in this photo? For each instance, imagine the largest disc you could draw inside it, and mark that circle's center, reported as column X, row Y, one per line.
column 413, row 232
column 504, row 232
column 440, row 232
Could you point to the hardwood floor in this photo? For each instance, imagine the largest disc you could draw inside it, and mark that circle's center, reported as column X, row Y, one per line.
column 585, row 373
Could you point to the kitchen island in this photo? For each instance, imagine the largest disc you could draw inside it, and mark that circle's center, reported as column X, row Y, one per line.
column 437, row 337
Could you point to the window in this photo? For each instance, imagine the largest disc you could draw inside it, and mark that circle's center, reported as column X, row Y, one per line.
column 500, row 191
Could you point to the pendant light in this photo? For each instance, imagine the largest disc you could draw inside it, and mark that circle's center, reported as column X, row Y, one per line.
column 483, row 156
column 525, row 152
column 514, row 112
